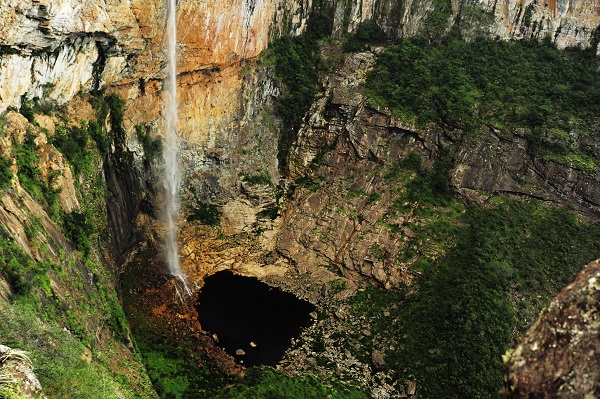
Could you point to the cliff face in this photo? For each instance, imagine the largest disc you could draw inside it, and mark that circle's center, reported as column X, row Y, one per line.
column 57, row 49
column 53, row 51
column 58, row 296
column 567, row 23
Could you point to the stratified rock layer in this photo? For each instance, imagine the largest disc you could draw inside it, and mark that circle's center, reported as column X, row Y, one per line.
column 560, row 356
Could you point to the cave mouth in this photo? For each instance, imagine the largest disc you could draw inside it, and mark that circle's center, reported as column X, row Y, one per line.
column 247, row 314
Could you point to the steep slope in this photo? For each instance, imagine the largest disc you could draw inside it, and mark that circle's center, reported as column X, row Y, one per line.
column 59, row 299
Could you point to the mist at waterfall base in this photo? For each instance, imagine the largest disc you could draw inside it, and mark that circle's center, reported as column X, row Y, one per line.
column 242, row 310
column 172, row 175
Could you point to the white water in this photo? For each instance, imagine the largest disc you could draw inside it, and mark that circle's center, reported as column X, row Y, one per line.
column 172, row 176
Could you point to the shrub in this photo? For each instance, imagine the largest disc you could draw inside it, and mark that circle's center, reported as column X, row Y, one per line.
column 100, row 137
column 27, row 110
column 261, row 178
column 30, row 176
column 466, row 85
column 152, row 146
column 72, row 143
column 78, row 230
column 268, row 383
column 57, row 358
column 459, row 319
column 367, row 32
column 16, row 266
column 204, row 212
column 5, row 173
column 271, row 212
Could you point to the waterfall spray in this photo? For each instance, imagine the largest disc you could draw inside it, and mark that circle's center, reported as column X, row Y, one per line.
column 172, row 177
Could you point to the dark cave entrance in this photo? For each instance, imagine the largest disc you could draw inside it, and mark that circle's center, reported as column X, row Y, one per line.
column 249, row 315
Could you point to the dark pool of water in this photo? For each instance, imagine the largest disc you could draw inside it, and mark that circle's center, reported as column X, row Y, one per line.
column 241, row 310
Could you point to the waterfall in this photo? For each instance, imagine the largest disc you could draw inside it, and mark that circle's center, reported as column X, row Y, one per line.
column 172, row 175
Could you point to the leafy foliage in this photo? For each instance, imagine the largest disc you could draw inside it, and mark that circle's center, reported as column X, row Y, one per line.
column 271, row 212
column 99, row 136
column 106, row 105
column 202, row 211
column 262, row 177
column 57, row 358
column 173, row 371
column 78, row 229
column 297, row 63
column 55, row 321
column 17, row 267
column 72, row 142
column 152, row 146
column 487, row 82
column 508, row 259
column 428, row 186
column 367, row 32
column 265, row 382
column 27, row 111
column 30, row 176
column 5, row 173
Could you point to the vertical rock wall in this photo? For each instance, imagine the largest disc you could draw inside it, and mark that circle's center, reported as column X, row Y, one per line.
column 569, row 23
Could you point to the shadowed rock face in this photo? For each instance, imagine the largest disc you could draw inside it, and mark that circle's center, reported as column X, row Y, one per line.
column 560, row 356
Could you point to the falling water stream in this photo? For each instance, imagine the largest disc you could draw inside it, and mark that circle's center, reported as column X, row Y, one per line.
column 172, row 175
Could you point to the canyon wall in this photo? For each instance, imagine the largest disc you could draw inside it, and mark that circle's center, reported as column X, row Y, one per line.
column 54, row 51
column 336, row 207
column 58, row 49
column 567, row 23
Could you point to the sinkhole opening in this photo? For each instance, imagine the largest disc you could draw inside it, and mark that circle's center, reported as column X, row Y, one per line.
column 254, row 322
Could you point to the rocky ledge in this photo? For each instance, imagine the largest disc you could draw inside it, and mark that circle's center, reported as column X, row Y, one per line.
column 560, row 356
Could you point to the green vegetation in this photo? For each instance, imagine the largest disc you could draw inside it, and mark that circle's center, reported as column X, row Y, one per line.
column 270, row 212
column 72, row 142
column 174, row 372
column 510, row 258
column 438, row 19
column 57, row 359
column 308, row 182
column 45, row 105
column 501, row 85
column 99, row 136
column 427, row 186
column 27, row 110
column 296, row 62
column 78, row 230
column 264, row 382
column 17, row 268
column 367, row 33
column 206, row 213
column 152, row 146
column 41, row 188
column 105, row 106
column 60, row 303
column 262, row 177
column 5, row 173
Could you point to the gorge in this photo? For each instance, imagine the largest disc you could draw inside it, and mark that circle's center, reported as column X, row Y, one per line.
column 424, row 173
